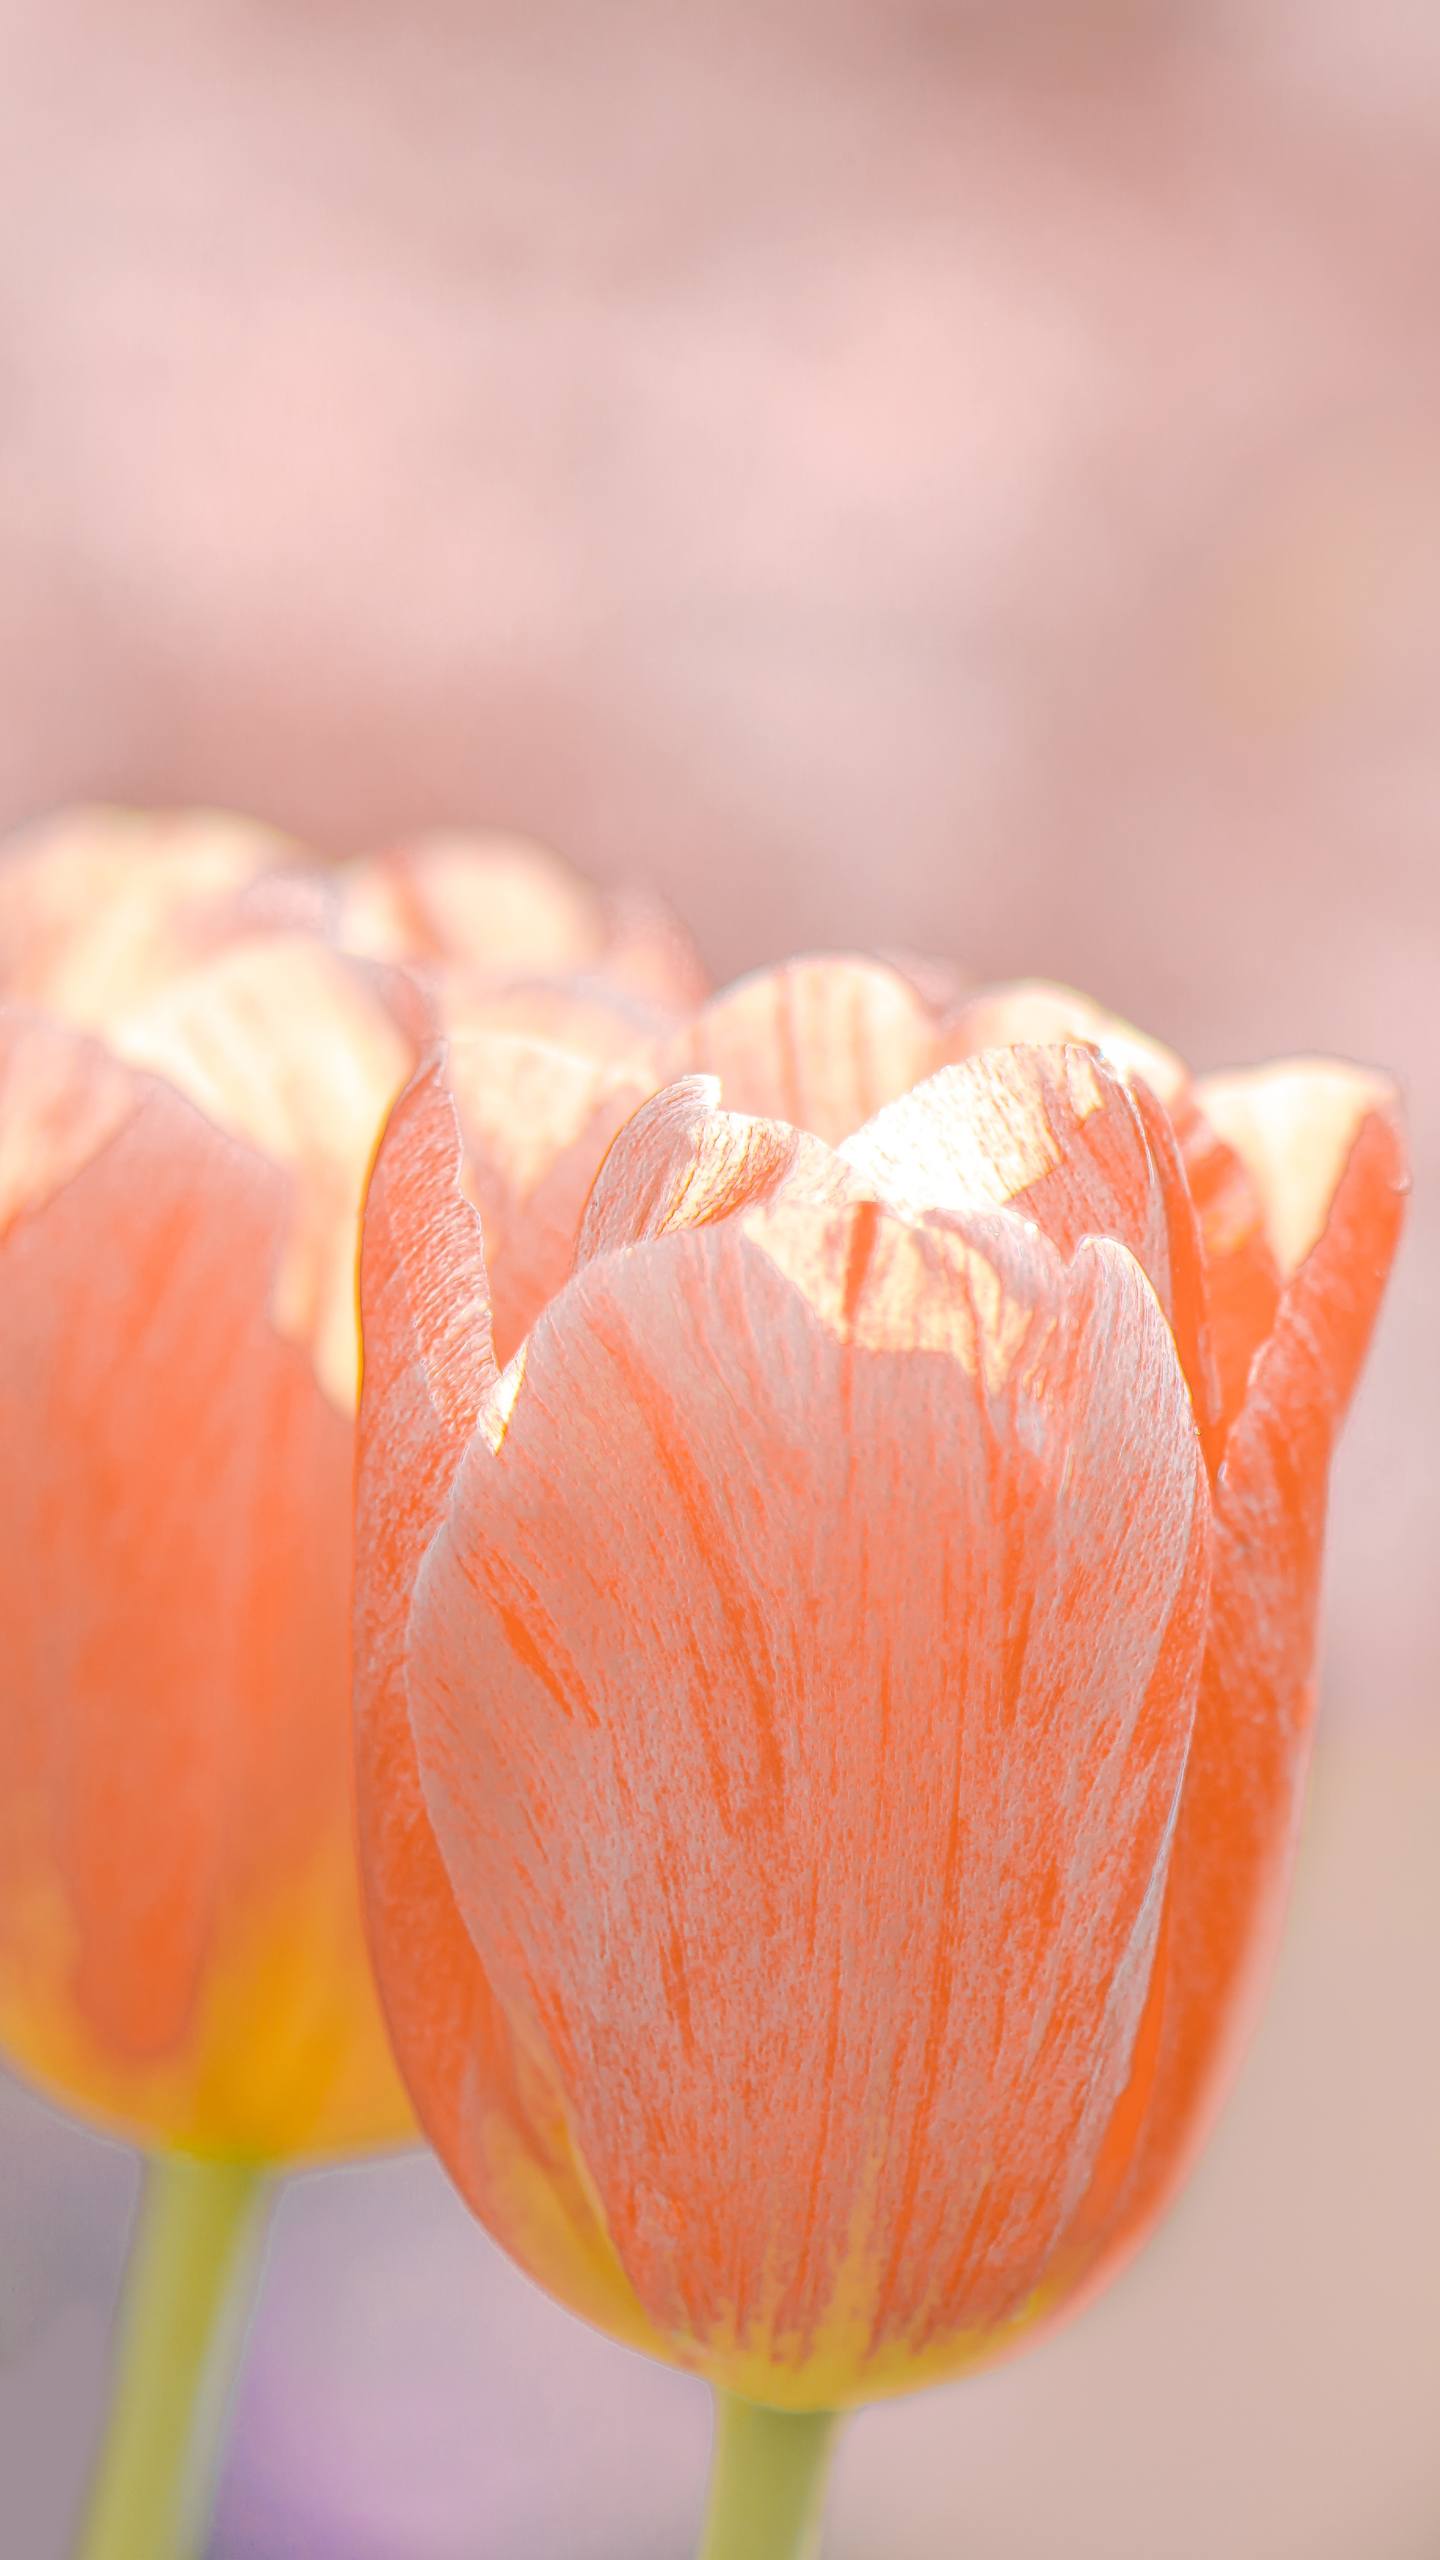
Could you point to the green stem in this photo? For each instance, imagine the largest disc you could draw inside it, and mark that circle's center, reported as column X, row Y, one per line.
column 182, row 2327
column 767, row 2481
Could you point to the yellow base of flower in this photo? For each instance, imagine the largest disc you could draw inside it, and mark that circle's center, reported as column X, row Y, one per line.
column 285, row 2059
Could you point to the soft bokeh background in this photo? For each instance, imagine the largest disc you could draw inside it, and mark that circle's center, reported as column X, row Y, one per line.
column 897, row 471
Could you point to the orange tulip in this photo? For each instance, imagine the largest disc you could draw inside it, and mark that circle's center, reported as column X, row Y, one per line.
column 191, row 1086
column 193, row 1074
column 187, row 1106
column 510, row 938
column 832, row 1704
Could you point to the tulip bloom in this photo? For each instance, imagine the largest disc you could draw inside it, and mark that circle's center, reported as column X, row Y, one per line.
column 192, row 1080
column 832, row 1706
column 509, row 938
column 187, row 1112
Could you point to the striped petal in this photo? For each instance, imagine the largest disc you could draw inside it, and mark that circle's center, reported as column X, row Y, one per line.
column 1057, row 1134
column 1032, row 1011
column 535, row 1122
column 820, row 1043
column 801, row 1683
column 680, row 1161
column 488, row 2105
column 488, row 912
column 179, row 1927
column 1240, row 1283
column 1240, row 1806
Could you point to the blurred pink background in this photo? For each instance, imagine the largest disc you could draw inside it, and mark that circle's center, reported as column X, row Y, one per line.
column 903, row 472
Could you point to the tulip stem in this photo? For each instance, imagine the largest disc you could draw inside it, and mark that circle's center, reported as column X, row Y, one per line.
column 182, row 2324
column 767, row 2481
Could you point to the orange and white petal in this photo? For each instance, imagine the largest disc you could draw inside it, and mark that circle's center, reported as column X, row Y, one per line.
column 490, row 2109
column 1264, row 1150
column 801, row 1687
column 180, row 1944
column 98, row 906
column 822, row 1043
column 535, row 1122
column 680, row 1161
column 1242, row 1279
column 1294, row 1125
column 1240, row 1804
column 1057, row 1134
column 1033, row 1012
column 489, row 911
column 292, row 1048
column 1238, row 1282
column 498, row 905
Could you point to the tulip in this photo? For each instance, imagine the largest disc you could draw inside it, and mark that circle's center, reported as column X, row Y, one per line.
column 509, row 938
column 192, row 1079
column 832, row 1701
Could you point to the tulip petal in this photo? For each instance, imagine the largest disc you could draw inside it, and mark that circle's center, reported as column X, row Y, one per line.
column 1264, row 1150
column 290, row 1047
column 61, row 1099
column 1242, row 1283
column 536, row 1122
column 1050, row 1131
column 1056, row 1134
column 429, row 1362
column 1238, row 1282
column 497, row 904
column 492, row 910
column 169, row 1830
column 679, row 1161
column 821, row 1043
column 1033, row 1012
column 1239, row 1809
column 1293, row 1125
column 98, row 906
column 801, row 1715
column 429, row 1367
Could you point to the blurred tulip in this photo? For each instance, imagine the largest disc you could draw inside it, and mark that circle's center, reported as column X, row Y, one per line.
column 193, row 1074
column 508, row 937
column 832, row 1707
column 193, row 1083
column 187, row 1113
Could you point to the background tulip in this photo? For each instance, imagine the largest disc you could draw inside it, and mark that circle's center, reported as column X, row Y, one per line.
column 192, row 1077
column 187, row 1113
column 821, row 1824
column 181, row 1954
column 511, row 937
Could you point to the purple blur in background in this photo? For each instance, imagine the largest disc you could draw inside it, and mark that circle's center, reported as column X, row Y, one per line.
column 955, row 476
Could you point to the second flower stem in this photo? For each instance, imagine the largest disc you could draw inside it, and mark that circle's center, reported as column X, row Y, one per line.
column 182, row 2321
column 767, row 2481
